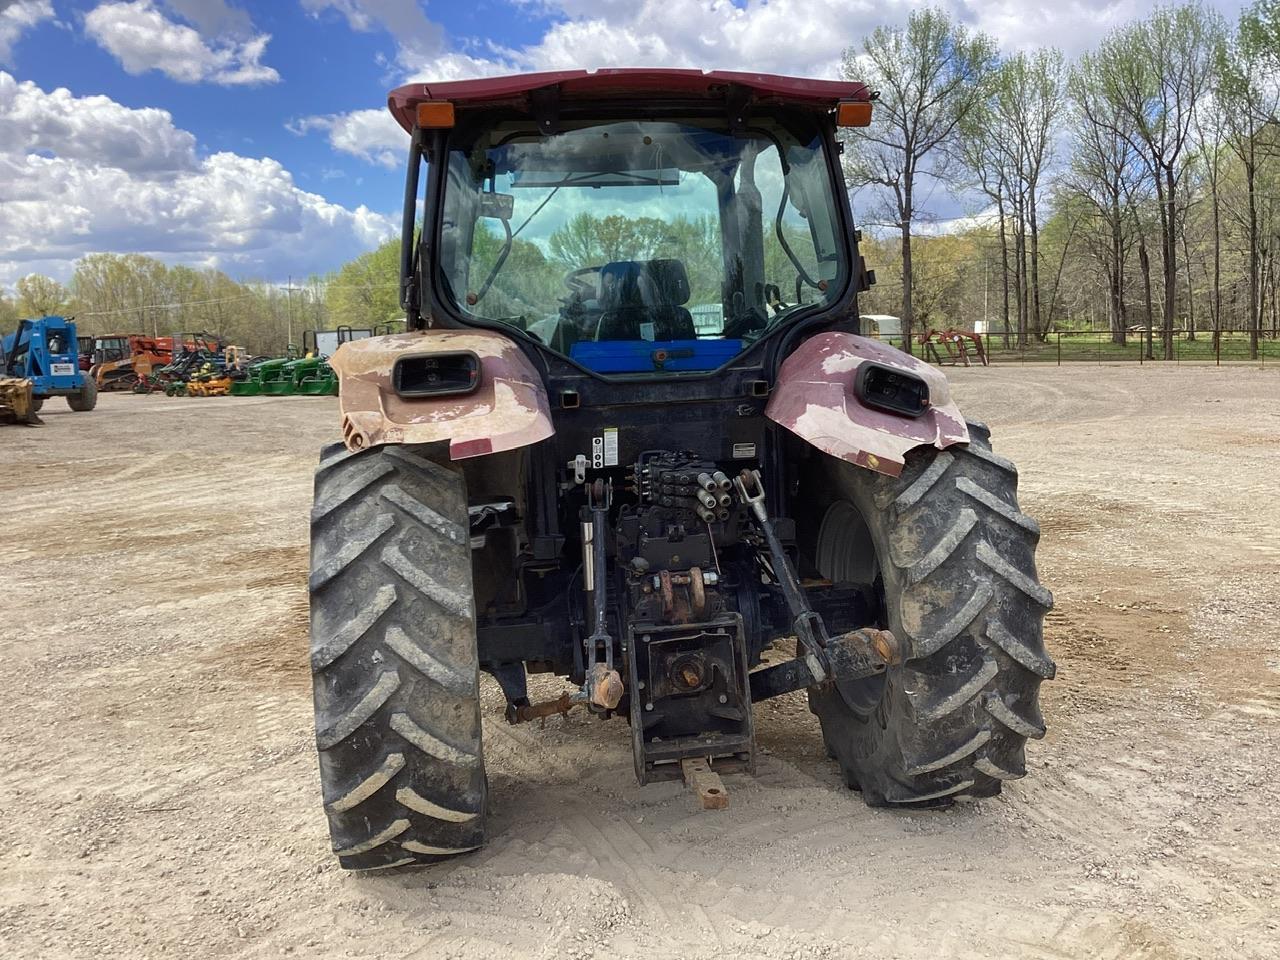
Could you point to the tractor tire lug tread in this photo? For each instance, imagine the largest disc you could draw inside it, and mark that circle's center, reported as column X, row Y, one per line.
column 958, row 562
column 394, row 660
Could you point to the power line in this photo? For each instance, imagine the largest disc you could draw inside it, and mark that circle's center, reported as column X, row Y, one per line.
column 165, row 306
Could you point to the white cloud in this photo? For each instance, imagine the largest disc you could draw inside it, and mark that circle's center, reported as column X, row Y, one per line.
column 213, row 17
column 93, row 130
column 142, row 38
column 17, row 18
column 370, row 134
column 796, row 37
column 84, row 175
column 802, row 37
column 415, row 35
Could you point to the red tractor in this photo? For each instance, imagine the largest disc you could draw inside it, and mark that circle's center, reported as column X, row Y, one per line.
column 633, row 436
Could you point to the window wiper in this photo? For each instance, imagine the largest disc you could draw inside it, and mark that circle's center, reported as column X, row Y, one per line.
column 786, row 247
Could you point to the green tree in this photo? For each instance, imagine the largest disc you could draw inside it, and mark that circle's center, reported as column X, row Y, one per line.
column 526, row 284
column 41, row 296
column 366, row 291
column 586, row 240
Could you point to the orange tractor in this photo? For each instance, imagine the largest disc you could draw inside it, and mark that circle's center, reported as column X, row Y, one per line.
column 123, row 361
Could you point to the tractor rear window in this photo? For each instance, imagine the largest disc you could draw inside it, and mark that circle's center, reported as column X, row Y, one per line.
column 637, row 246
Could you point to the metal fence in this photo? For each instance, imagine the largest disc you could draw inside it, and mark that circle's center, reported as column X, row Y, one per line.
column 1060, row 348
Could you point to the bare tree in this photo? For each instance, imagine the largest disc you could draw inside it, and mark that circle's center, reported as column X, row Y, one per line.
column 929, row 75
column 1155, row 72
column 1103, row 169
column 1250, row 97
column 979, row 153
column 1209, row 134
column 1029, row 97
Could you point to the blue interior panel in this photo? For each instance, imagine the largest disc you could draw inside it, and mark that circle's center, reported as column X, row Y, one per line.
column 648, row 356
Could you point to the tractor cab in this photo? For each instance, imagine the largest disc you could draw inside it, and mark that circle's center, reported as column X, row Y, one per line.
column 628, row 237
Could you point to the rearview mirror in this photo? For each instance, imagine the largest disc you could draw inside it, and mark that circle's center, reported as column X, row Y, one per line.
column 499, row 206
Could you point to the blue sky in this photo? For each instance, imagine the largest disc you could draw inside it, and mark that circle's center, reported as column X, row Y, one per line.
column 253, row 136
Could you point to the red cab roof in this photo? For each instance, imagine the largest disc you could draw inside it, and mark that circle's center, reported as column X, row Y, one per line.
column 621, row 82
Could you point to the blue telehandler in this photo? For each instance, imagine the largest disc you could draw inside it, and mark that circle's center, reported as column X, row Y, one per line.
column 45, row 351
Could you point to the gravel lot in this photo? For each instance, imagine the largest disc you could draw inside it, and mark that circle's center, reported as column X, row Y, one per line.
column 160, row 798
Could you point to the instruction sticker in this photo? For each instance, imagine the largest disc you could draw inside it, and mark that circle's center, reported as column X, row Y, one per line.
column 610, row 446
column 62, row 369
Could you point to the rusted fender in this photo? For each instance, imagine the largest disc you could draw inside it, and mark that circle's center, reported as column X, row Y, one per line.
column 509, row 409
column 814, row 399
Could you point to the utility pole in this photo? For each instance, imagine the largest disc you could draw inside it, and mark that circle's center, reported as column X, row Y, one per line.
column 289, row 315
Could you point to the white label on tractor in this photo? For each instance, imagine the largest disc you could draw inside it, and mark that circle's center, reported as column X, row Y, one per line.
column 62, row 369
column 610, row 446
column 744, row 451
column 597, row 452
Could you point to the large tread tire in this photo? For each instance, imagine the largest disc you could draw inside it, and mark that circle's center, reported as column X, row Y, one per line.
column 394, row 662
column 957, row 558
column 86, row 399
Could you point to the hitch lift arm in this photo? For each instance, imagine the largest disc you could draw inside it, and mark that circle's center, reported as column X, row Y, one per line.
column 602, row 689
column 820, row 658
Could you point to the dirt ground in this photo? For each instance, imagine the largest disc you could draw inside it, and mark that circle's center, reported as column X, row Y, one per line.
column 158, row 784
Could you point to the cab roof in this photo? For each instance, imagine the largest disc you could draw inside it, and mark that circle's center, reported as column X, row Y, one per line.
column 622, row 82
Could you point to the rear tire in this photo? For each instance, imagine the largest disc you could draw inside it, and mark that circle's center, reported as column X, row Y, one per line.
column 394, row 661
column 956, row 558
column 86, row 399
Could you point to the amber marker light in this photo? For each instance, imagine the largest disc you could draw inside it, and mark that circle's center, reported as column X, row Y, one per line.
column 435, row 114
column 853, row 113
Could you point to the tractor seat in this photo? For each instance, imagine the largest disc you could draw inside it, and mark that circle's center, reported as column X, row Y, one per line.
column 644, row 300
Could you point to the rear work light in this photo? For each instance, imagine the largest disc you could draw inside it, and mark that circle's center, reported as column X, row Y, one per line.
column 436, row 375
column 887, row 388
column 435, row 115
column 853, row 113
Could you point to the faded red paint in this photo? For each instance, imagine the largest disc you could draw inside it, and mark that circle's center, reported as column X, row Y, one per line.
column 509, row 408
column 814, row 399
column 621, row 82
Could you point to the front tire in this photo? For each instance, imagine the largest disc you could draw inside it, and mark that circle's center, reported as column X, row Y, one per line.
column 955, row 559
column 86, row 399
column 394, row 660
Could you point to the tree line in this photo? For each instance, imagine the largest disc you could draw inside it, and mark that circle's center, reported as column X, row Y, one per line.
column 134, row 294
column 1142, row 177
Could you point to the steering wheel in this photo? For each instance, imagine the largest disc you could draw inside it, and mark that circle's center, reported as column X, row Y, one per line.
column 582, row 289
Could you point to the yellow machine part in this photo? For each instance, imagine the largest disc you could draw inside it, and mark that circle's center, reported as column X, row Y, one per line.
column 217, row 387
column 16, row 400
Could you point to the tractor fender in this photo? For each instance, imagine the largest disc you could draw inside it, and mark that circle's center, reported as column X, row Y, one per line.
column 508, row 408
column 814, row 398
